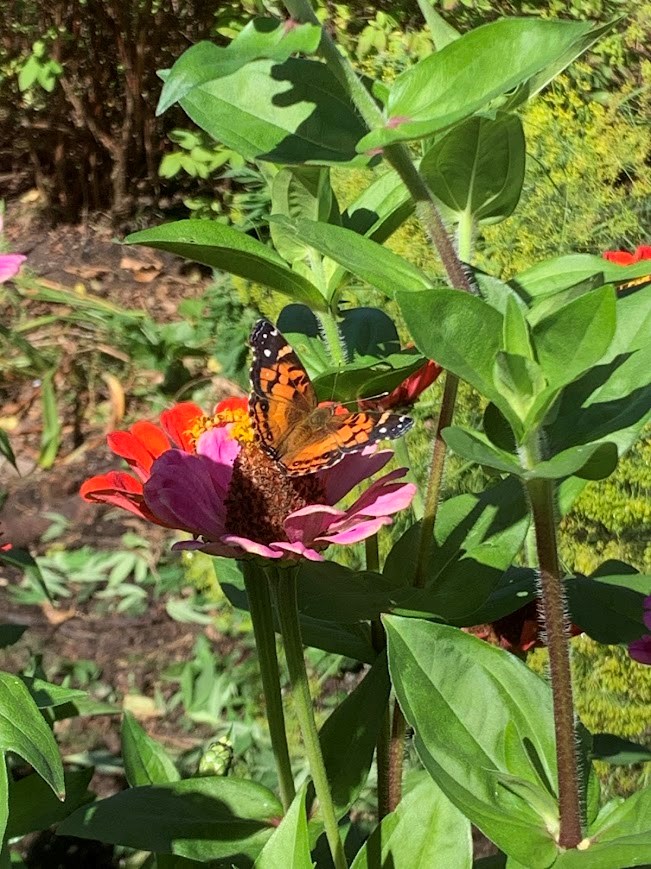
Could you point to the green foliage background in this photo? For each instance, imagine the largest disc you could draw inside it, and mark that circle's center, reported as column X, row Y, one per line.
column 587, row 189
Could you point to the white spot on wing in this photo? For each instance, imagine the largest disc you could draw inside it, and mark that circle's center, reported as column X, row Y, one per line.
column 267, row 353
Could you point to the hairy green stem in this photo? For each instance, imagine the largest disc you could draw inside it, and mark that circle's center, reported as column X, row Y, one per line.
column 333, row 337
column 285, row 590
column 260, row 607
column 396, row 755
column 552, row 597
column 432, row 495
column 382, row 750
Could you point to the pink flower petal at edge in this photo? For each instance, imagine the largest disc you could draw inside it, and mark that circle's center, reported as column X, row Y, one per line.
column 640, row 650
column 352, row 470
column 187, row 491
column 384, row 497
column 355, row 532
column 308, row 523
column 10, row 264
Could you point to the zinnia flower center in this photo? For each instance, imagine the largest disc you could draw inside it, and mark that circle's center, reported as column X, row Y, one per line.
column 260, row 496
column 238, row 418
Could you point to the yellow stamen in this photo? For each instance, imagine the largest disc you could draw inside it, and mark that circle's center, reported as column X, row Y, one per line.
column 241, row 428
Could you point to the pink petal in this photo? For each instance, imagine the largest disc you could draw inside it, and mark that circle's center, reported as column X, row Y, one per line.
column 218, row 445
column 640, row 650
column 187, row 491
column 298, row 550
column 10, row 264
column 355, row 531
column 306, row 524
column 352, row 470
column 250, row 546
column 384, row 497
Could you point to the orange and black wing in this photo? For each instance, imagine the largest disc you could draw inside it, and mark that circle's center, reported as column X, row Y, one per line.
column 345, row 433
column 282, row 396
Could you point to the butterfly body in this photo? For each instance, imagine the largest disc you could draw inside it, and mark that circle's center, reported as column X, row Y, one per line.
column 299, row 433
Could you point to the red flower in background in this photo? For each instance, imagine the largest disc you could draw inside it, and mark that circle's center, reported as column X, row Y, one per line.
column 407, row 392
column 143, row 444
column 624, row 258
column 518, row 632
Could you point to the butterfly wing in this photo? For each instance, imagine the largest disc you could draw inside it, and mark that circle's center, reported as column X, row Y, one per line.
column 341, row 435
column 282, row 397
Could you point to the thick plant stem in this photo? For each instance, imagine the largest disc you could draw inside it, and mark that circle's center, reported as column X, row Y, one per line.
column 382, row 749
column 541, row 497
column 396, row 755
column 285, row 589
column 332, row 335
column 432, row 495
column 257, row 590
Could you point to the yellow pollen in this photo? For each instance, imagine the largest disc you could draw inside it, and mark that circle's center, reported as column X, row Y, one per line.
column 241, row 428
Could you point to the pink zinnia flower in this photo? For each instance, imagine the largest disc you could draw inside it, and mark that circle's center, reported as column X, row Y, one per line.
column 640, row 650
column 210, row 479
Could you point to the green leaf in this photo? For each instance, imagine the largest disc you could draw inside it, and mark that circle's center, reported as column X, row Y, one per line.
column 4, row 798
column 441, row 32
column 609, row 609
column 613, row 749
column 476, row 447
column 461, row 332
column 520, row 380
column 351, row 640
column 589, row 461
column 366, row 380
column 210, row 818
column 145, row 761
column 289, row 113
column 230, row 250
column 33, row 806
column 476, row 537
column 46, row 695
column 290, row 843
column 426, row 829
column 299, row 192
column 366, row 259
column 51, row 435
column 575, row 337
column 6, row 450
column 439, row 673
column 330, row 591
column 477, row 169
column 10, row 634
column 619, row 838
column 24, row 731
column 260, row 38
column 467, row 75
column 555, row 275
column 516, row 336
column 380, row 208
column 349, row 736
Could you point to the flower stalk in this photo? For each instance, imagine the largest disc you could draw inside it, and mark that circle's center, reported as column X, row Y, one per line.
column 285, row 587
column 260, row 608
column 552, row 597
column 541, row 494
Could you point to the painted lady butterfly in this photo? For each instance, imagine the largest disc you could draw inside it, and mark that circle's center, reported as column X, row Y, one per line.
column 299, row 433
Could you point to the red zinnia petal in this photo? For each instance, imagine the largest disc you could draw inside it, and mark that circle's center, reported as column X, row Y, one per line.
column 177, row 422
column 619, row 257
column 140, row 446
column 120, row 490
column 643, row 252
column 234, row 403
